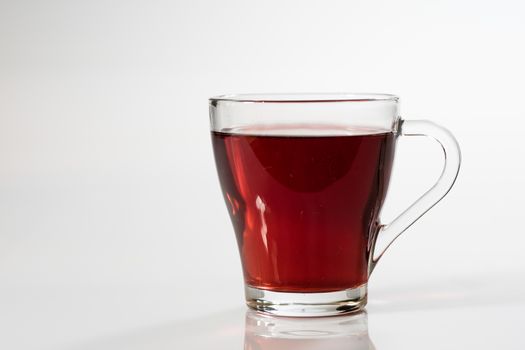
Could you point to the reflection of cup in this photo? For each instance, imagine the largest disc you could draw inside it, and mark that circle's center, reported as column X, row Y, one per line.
column 304, row 178
column 327, row 333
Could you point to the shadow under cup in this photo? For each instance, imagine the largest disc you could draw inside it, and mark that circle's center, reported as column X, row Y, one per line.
column 304, row 178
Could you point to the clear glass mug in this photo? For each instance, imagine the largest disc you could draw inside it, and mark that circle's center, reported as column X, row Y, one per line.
column 304, row 177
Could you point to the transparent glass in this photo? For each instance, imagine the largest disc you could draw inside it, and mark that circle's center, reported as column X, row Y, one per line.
column 304, row 177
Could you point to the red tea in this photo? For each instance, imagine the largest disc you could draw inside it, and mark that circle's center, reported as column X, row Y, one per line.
column 304, row 206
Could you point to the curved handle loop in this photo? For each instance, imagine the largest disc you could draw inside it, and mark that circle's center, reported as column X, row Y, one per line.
column 389, row 232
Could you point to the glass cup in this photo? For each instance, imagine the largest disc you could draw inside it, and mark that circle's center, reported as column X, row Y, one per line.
column 304, row 177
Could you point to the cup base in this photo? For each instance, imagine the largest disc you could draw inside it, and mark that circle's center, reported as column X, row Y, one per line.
column 306, row 304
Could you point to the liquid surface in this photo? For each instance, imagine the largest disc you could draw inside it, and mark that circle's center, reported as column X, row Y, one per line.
column 303, row 207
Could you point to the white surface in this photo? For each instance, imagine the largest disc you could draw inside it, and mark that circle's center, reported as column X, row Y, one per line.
column 491, row 327
column 469, row 313
column 111, row 217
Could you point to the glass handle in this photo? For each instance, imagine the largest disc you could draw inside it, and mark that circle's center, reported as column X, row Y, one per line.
column 386, row 234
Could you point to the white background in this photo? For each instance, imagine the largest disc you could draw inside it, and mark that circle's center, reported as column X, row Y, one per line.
column 111, row 216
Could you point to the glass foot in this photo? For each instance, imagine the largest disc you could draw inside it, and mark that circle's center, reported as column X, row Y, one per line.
column 306, row 304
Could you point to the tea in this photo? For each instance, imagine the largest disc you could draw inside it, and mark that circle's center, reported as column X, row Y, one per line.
column 304, row 203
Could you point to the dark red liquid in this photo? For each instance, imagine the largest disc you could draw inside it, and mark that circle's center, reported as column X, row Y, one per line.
column 304, row 207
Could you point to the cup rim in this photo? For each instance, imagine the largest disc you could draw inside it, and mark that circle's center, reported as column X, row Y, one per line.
column 322, row 97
